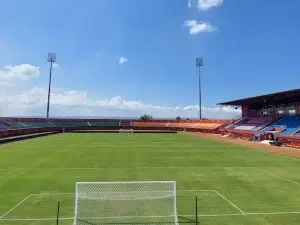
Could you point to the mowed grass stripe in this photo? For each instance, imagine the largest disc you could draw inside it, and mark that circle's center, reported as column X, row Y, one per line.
column 44, row 165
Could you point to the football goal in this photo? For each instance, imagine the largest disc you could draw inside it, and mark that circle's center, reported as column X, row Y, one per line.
column 143, row 202
column 126, row 131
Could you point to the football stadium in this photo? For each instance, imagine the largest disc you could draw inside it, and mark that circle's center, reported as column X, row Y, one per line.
column 156, row 112
column 109, row 171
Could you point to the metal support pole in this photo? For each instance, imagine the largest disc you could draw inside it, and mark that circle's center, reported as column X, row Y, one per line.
column 57, row 215
column 196, row 210
column 49, row 90
column 51, row 59
column 200, row 95
column 199, row 63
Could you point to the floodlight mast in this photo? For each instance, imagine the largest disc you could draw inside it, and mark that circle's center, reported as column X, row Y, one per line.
column 199, row 63
column 51, row 59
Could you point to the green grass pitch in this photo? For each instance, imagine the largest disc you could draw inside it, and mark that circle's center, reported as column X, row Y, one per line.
column 235, row 185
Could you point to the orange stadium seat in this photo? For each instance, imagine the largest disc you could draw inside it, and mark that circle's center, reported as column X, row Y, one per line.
column 149, row 124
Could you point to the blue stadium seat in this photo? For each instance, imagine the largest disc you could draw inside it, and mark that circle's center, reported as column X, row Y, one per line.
column 291, row 123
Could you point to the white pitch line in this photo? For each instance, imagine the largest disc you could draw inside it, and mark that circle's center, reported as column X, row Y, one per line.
column 272, row 174
column 201, row 215
column 15, row 206
column 133, row 167
column 272, row 213
column 217, row 215
column 230, row 203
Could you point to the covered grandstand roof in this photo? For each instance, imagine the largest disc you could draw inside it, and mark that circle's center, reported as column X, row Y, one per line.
column 284, row 97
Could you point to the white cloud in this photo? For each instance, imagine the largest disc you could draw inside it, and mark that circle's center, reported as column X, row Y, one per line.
column 18, row 72
column 207, row 4
column 75, row 103
column 56, row 65
column 189, row 4
column 123, row 60
column 198, row 27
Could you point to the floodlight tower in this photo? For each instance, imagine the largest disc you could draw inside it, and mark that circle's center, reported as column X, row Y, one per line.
column 51, row 59
column 199, row 63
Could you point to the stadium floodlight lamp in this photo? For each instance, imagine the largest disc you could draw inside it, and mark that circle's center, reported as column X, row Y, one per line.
column 199, row 61
column 51, row 57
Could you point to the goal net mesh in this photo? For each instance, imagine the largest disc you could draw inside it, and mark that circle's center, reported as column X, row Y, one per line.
column 125, row 130
column 151, row 202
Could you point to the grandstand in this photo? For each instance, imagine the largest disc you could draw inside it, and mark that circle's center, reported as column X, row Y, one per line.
column 277, row 114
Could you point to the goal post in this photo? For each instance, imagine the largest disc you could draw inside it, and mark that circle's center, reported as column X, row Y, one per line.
column 138, row 202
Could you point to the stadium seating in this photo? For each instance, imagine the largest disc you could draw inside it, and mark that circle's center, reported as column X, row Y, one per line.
column 253, row 123
column 207, row 125
column 2, row 127
column 245, row 127
column 195, row 125
column 149, row 124
column 176, row 124
column 70, row 124
column 181, row 125
column 38, row 124
column 18, row 125
column 291, row 125
column 5, row 124
column 104, row 124
column 125, row 123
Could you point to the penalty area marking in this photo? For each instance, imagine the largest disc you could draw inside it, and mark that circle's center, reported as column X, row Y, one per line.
column 230, row 202
column 15, row 206
column 190, row 190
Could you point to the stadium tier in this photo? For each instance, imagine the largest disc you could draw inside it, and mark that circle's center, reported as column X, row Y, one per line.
column 149, row 124
column 18, row 125
column 181, row 125
column 70, row 124
column 2, row 127
column 286, row 126
column 104, row 124
column 208, row 125
column 195, row 125
column 38, row 124
column 253, row 123
column 125, row 123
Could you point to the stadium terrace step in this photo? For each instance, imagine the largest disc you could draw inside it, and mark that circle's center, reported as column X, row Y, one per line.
column 18, row 125
column 253, row 123
column 150, row 124
column 70, row 124
column 290, row 124
column 38, row 124
column 104, row 124
column 126, row 123
column 2, row 127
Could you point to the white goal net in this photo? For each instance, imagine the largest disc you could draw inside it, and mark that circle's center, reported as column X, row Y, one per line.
column 144, row 202
column 125, row 130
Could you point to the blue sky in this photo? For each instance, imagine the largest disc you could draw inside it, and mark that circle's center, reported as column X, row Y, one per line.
column 249, row 48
